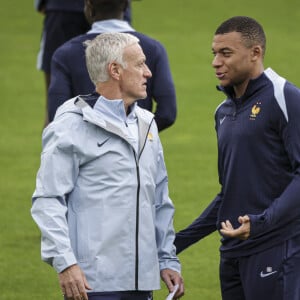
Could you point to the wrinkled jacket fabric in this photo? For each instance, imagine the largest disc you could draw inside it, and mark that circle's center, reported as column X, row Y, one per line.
column 101, row 204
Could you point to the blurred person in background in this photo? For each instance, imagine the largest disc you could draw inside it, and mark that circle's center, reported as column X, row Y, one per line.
column 69, row 76
column 64, row 19
column 257, row 210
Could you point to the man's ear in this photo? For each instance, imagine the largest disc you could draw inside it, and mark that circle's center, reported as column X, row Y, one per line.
column 257, row 52
column 114, row 70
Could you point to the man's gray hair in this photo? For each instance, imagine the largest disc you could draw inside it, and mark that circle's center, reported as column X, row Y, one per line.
column 105, row 49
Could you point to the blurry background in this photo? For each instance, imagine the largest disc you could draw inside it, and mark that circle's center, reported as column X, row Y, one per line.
column 186, row 28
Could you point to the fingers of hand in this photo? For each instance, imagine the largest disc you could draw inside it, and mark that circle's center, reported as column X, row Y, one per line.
column 227, row 225
column 73, row 284
column 180, row 291
column 172, row 278
column 75, row 290
column 243, row 220
column 241, row 232
column 178, row 280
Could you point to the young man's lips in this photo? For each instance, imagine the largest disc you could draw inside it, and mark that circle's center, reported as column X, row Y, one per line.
column 220, row 75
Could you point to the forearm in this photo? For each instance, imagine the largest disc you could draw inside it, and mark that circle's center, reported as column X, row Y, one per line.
column 166, row 110
column 50, row 216
column 283, row 210
column 199, row 228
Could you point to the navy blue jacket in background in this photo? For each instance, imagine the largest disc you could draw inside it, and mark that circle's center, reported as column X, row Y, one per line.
column 69, row 78
column 259, row 168
column 70, row 6
column 60, row 5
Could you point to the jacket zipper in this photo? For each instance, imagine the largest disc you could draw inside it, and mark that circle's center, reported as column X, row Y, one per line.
column 138, row 214
column 137, row 226
column 233, row 115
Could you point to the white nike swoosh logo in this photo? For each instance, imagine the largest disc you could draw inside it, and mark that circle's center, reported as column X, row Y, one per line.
column 222, row 120
column 263, row 275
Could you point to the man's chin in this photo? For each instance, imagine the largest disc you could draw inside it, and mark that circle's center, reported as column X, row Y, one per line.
column 143, row 96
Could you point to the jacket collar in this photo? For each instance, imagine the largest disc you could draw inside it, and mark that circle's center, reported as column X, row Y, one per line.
column 112, row 25
column 114, row 110
column 99, row 116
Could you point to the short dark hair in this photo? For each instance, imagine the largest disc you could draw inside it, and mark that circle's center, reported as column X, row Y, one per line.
column 252, row 32
column 108, row 6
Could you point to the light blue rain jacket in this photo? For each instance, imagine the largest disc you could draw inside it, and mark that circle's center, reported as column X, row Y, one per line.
column 101, row 204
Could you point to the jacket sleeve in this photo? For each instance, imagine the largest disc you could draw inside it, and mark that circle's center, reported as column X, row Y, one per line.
column 60, row 88
column 285, row 208
column 55, row 179
column 163, row 91
column 68, row 79
column 205, row 224
column 165, row 233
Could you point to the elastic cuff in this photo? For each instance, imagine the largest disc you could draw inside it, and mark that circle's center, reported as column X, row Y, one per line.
column 60, row 263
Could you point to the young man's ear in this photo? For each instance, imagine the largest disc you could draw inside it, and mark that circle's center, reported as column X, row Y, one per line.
column 257, row 52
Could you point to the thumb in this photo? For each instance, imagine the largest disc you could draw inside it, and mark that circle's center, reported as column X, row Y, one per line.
column 244, row 219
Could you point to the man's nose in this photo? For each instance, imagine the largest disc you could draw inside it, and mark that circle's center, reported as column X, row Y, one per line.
column 148, row 73
column 216, row 61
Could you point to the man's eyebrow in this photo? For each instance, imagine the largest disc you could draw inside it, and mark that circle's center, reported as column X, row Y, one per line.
column 225, row 49
column 222, row 50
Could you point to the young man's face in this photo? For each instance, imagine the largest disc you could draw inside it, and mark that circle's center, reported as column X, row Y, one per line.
column 133, row 79
column 232, row 60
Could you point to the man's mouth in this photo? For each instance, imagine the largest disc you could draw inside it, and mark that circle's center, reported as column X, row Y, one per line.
column 220, row 75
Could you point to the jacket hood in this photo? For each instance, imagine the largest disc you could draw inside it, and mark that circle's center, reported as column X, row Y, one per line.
column 84, row 104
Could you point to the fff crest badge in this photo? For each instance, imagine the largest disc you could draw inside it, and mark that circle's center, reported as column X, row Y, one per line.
column 255, row 110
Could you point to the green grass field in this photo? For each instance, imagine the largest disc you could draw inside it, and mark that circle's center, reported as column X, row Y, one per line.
column 186, row 28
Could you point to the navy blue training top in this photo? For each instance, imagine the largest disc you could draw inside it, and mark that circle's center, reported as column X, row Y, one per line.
column 259, row 168
column 71, row 6
column 60, row 5
column 69, row 78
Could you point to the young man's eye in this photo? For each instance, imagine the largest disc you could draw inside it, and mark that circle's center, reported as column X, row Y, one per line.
column 226, row 54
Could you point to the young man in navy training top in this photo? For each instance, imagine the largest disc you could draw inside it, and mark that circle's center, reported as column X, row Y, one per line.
column 69, row 76
column 64, row 19
column 258, row 208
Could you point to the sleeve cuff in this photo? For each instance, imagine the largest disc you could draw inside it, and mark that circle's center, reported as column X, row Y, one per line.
column 257, row 224
column 62, row 262
column 173, row 264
